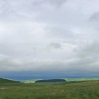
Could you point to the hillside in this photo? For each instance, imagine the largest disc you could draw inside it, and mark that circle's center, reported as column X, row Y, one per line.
column 2, row 80
column 80, row 79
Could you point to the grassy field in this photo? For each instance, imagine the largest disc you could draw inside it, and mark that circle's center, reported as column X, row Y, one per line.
column 73, row 90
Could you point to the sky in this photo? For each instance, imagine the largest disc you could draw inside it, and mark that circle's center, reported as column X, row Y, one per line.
column 49, row 38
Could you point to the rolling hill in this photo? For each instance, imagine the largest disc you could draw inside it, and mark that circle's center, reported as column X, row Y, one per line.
column 2, row 80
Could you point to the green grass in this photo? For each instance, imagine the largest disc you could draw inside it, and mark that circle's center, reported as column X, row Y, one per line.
column 78, row 90
column 7, row 81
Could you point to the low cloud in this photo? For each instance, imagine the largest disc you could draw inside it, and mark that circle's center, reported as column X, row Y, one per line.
column 85, row 59
column 88, row 50
column 56, row 3
column 55, row 45
column 94, row 17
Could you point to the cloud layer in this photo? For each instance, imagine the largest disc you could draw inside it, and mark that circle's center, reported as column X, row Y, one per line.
column 49, row 36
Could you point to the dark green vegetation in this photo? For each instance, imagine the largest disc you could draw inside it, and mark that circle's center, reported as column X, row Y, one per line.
column 51, row 81
column 73, row 90
column 7, row 81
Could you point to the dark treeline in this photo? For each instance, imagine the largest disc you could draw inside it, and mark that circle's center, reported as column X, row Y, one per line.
column 51, row 80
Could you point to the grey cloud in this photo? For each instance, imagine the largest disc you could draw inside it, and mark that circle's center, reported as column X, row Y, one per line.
column 52, row 2
column 26, row 8
column 59, row 32
column 56, row 2
column 89, row 50
column 94, row 20
column 4, row 7
column 72, row 66
column 94, row 17
column 15, row 8
column 55, row 45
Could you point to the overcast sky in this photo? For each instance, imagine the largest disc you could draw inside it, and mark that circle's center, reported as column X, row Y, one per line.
column 49, row 37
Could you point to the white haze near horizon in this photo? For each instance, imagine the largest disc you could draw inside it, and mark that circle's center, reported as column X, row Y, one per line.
column 49, row 36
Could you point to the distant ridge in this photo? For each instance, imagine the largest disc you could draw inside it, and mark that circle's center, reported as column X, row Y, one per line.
column 3, row 80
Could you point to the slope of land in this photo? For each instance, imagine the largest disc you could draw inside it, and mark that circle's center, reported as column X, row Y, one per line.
column 2, row 80
column 79, row 90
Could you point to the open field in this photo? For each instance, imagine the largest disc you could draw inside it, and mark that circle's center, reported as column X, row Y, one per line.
column 74, row 90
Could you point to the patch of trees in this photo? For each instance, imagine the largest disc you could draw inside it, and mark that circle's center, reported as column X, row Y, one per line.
column 51, row 80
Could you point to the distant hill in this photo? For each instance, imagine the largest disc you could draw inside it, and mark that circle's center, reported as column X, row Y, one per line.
column 80, row 79
column 2, row 80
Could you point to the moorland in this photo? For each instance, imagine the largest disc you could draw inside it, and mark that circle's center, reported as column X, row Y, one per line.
column 69, row 90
